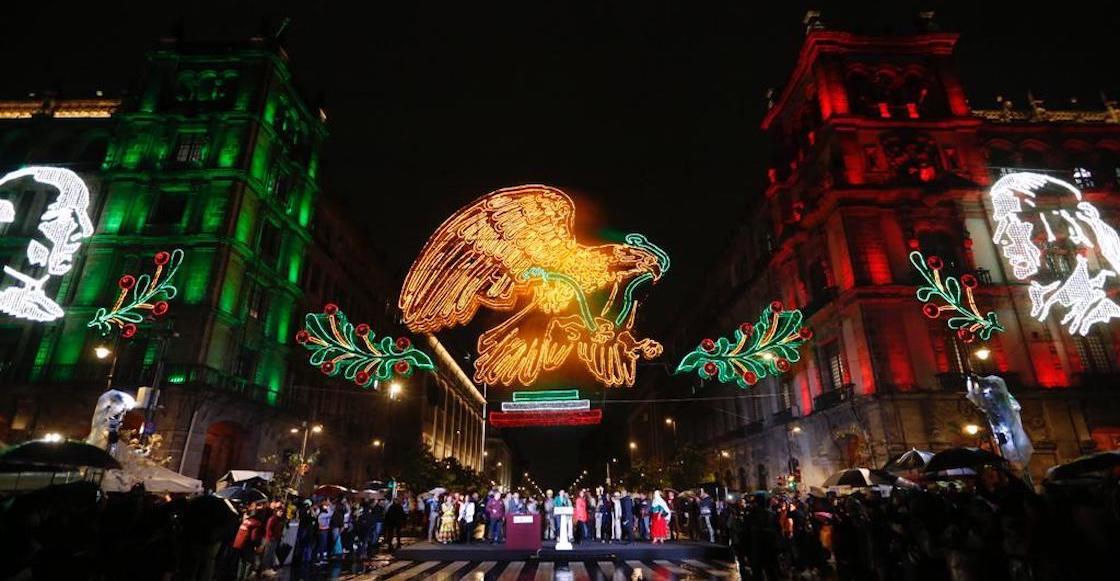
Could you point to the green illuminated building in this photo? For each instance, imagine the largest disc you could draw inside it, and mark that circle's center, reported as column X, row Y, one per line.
column 216, row 153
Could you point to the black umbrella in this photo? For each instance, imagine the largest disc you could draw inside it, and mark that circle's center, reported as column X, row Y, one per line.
column 241, row 494
column 1085, row 465
column 955, row 458
column 42, row 454
column 855, row 477
column 910, row 460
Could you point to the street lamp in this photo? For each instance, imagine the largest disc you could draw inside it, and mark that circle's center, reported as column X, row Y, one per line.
column 394, row 390
column 377, row 443
column 307, row 430
column 972, row 429
column 102, row 352
column 983, row 353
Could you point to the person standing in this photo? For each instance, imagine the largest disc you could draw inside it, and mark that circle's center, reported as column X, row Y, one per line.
column 643, row 517
column 447, row 520
column 323, row 547
column 706, row 508
column 616, row 517
column 550, row 523
column 495, row 514
column 562, row 532
column 626, row 503
column 377, row 513
column 660, row 516
column 394, row 522
column 603, row 519
column 433, row 517
column 247, row 543
column 466, row 520
column 273, row 531
column 580, row 516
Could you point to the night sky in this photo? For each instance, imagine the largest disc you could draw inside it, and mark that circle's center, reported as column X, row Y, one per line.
column 647, row 112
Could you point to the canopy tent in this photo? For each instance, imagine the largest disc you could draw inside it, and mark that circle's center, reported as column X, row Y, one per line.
column 243, row 477
column 155, row 478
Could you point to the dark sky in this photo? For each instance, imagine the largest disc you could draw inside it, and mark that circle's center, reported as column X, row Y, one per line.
column 647, row 110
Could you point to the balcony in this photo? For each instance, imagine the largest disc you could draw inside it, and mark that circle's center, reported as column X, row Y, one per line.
column 833, row 398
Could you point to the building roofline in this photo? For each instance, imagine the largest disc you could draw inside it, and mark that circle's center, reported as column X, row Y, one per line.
column 820, row 42
column 448, row 362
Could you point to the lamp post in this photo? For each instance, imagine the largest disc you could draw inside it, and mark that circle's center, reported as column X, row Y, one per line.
column 672, row 423
column 307, row 431
column 103, row 351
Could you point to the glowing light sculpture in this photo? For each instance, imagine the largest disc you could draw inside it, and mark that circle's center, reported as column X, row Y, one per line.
column 150, row 295
column 337, row 346
column 515, row 249
column 1081, row 293
column 768, row 347
column 546, row 408
column 965, row 317
column 64, row 223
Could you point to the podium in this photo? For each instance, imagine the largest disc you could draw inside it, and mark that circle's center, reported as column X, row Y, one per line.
column 523, row 531
column 564, row 535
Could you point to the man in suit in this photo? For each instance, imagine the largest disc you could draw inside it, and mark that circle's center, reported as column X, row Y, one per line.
column 627, row 504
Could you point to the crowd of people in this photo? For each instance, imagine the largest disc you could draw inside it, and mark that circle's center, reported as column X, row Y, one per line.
column 598, row 516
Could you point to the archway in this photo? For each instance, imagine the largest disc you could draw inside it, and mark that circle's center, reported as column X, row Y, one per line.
column 221, row 451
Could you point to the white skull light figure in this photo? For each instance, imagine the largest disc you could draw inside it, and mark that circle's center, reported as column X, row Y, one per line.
column 1029, row 207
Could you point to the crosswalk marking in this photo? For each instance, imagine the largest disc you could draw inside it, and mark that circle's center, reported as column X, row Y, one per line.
column 448, row 571
column 579, row 571
column 544, row 572
column 391, row 567
column 479, row 572
column 714, row 571
column 414, row 571
column 609, row 571
column 671, row 567
column 647, row 573
column 511, row 572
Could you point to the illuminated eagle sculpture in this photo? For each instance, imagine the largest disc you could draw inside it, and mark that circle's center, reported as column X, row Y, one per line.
column 514, row 250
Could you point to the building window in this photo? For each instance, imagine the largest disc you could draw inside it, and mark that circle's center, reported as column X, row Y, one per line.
column 952, row 160
column 788, row 399
column 190, row 148
column 832, row 366
column 269, row 244
column 1093, row 353
column 1083, row 178
column 871, row 158
column 167, row 210
column 256, row 304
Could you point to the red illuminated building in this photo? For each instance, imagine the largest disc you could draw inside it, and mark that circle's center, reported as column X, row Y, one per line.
column 876, row 151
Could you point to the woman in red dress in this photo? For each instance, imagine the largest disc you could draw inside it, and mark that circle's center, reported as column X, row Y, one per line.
column 659, row 513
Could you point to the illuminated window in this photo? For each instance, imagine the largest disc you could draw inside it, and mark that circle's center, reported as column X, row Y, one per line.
column 1083, row 177
column 912, row 110
column 831, row 365
column 256, row 304
column 190, row 148
column 884, row 110
column 1093, row 353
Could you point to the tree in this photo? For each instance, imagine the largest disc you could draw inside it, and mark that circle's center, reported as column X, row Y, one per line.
column 690, row 467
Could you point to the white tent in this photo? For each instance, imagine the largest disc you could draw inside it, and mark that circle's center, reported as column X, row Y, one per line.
column 155, row 478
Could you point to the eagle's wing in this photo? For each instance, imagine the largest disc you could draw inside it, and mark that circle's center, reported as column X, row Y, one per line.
column 478, row 255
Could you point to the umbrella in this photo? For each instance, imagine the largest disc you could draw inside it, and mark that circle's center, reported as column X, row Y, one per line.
column 971, row 458
column 67, row 454
column 331, row 490
column 1086, row 465
column 855, row 477
column 912, row 459
column 241, row 494
column 436, row 491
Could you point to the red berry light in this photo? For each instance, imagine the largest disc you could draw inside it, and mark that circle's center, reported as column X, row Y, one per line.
column 966, row 335
column 777, row 307
column 128, row 331
column 805, row 333
column 330, row 308
column 361, row 378
column 913, row 244
column 931, row 310
column 935, row 262
column 362, row 329
column 710, row 369
column 327, row 367
column 746, row 329
column 403, row 343
column 126, row 282
column 782, row 364
column 750, row 377
column 968, row 281
column 401, row 367
column 162, row 257
column 302, row 336
column 708, row 345
column 160, row 308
